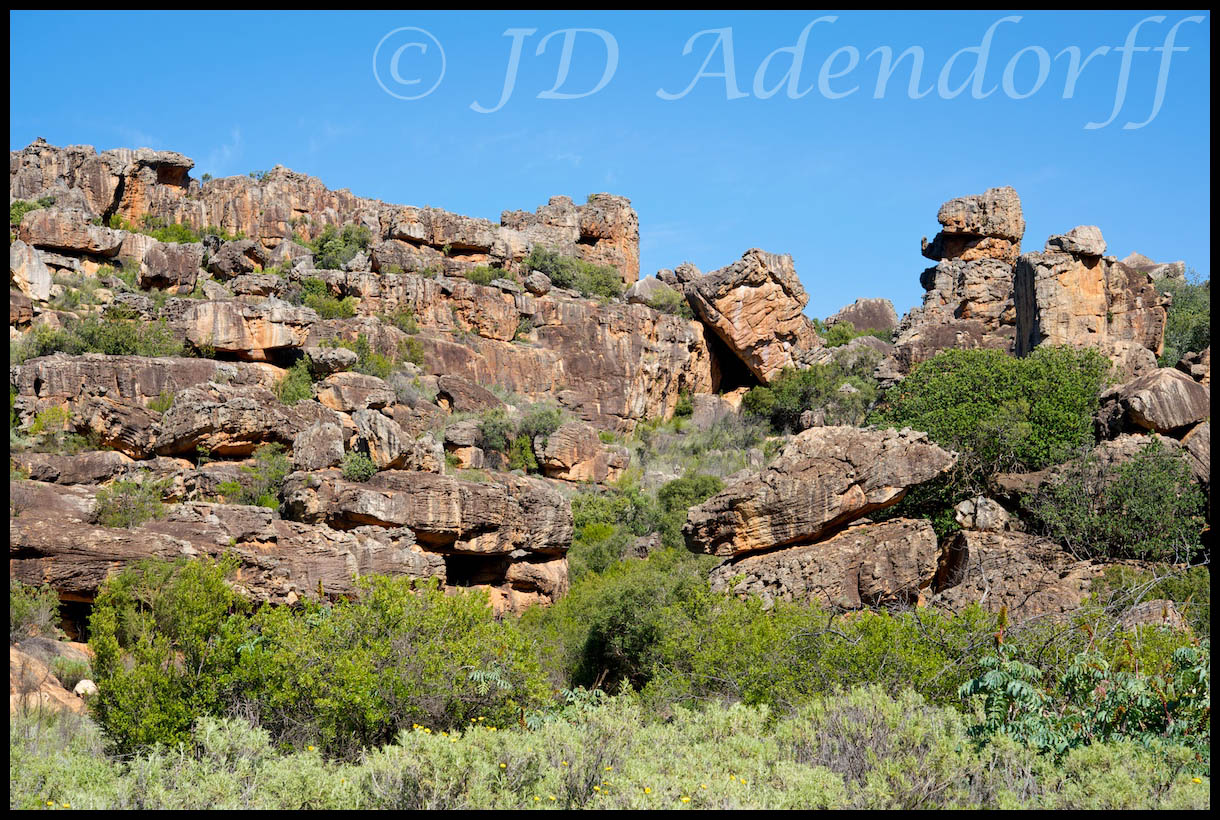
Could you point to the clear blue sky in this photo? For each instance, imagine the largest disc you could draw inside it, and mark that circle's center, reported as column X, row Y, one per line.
column 846, row 185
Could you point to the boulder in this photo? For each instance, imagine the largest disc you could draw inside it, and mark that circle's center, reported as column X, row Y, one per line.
column 982, row 514
column 867, row 314
column 537, row 283
column 1083, row 240
column 326, row 360
column 755, row 306
column 248, row 330
column 574, row 452
column 1164, row 401
column 1030, row 577
column 28, row 273
column 318, row 446
column 460, row 395
column 237, row 257
column 166, row 265
column 647, row 290
column 825, row 478
column 1159, row 612
column 1173, row 271
column 346, row 392
column 20, row 309
column 1196, row 365
column 390, row 447
column 865, row 565
column 69, row 231
column 983, row 226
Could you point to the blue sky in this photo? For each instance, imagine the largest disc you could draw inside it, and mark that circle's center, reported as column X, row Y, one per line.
column 847, row 185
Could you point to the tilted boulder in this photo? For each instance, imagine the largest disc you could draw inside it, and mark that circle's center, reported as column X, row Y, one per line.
column 346, row 392
column 1083, row 240
column 865, row 565
column 28, row 273
column 237, row 257
column 389, row 446
column 824, row 479
column 460, row 395
column 756, row 308
column 1165, row 401
column 574, row 452
column 318, row 446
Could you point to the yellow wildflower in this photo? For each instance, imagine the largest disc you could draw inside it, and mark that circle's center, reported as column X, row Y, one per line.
column 685, row 799
column 647, row 790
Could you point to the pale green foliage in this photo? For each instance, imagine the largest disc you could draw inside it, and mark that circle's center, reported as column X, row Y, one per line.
column 131, row 503
column 32, row 611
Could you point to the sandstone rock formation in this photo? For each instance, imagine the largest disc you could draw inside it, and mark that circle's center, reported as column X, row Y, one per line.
column 1070, row 295
column 755, row 307
column 865, row 565
column 1172, row 271
column 867, row 314
column 969, row 299
column 825, row 478
column 1164, row 401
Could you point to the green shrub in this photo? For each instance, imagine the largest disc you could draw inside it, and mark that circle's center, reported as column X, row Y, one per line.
column 840, row 333
column 683, row 409
column 69, row 672
column 335, row 247
column 539, row 420
column 18, row 208
column 568, row 272
column 163, row 401
column 118, row 334
column 297, row 384
column 1188, row 325
column 49, row 420
column 225, row 236
column 358, row 467
column 1190, row 589
column 404, row 320
column 157, row 228
column 411, row 351
column 521, row 455
column 496, row 431
column 260, row 482
column 671, row 301
column 1093, row 703
column 317, row 295
column 843, row 388
column 127, row 504
column 1149, row 507
column 483, row 275
column 33, row 612
column 369, row 361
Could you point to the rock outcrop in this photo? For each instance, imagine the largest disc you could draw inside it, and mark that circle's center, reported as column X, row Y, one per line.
column 867, row 314
column 969, row 300
column 1171, row 271
column 866, row 565
column 1163, row 401
column 755, row 307
column 1070, row 294
column 826, row 478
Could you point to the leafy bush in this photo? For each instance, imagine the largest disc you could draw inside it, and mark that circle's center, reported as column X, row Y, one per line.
column 369, row 361
column 496, row 431
column 404, row 320
column 568, row 272
column 69, row 672
column 1149, row 508
column 18, row 208
column 358, row 467
column 840, row 333
column 317, row 295
column 261, row 482
column 166, row 232
column 335, row 247
column 483, row 275
column 118, row 334
column 1093, row 703
column 843, row 388
column 862, row 749
column 128, row 504
column 1188, row 325
column 539, row 420
column 174, row 643
column 671, row 301
column 297, row 384
column 32, row 611
column 411, row 351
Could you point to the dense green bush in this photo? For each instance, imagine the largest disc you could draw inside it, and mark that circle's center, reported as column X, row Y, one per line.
column 260, row 482
column 335, row 247
column 840, row 333
column 1149, row 507
column 1188, row 325
column 1093, row 703
column 18, row 208
column 843, row 388
column 496, row 431
column 32, row 611
column 671, row 301
column 358, row 467
column 484, row 275
column 369, row 361
column 297, row 384
column 576, row 274
column 539, row 420
column 174, row 643
column 117, row 334
column 162, row 231
column 521, row 455
column 316, row 294
column 1002, row 413
column 863, row 749
column 128, row 504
